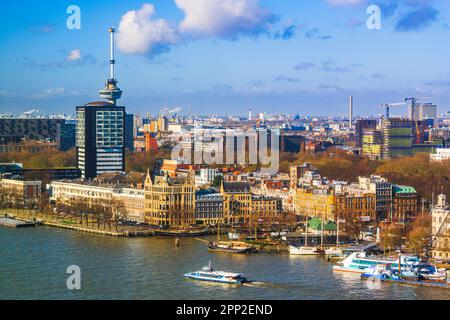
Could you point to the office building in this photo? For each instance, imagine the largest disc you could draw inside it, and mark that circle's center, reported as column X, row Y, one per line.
column 20, row 191
column 209, row 208
column 170, row 201
column 100, row 139
column 405, row 201
column 66, row 135
column 129, row 132
column 372, row 144
column 398, row 136
column 360, row 126
column 422, row 111
column 13, row 130
column 382, row 189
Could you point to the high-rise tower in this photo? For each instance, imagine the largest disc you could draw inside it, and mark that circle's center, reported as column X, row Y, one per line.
column 100, row 130
column 111, row 92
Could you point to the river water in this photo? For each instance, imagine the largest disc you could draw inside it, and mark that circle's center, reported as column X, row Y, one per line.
column 33, row 264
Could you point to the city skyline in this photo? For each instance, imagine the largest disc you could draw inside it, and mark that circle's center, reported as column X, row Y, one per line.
column 171, row 54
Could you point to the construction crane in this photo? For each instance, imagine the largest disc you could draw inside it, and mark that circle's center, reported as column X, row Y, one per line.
column 388, row 107
column 405, row 101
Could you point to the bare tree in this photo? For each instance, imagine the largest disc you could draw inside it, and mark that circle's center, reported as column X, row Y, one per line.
column 119, row 212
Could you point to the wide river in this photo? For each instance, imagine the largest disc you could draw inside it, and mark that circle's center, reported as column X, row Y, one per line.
column 34, row 261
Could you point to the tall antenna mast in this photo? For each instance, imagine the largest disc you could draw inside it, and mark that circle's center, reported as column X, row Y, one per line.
column 112, row 61
column 111, row 92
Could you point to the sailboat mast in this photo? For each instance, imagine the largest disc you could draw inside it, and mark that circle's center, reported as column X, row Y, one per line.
column 321, row 233
column 337, row 234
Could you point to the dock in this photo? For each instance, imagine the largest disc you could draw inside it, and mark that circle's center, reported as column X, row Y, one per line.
column 429, row 284
column 14, row 223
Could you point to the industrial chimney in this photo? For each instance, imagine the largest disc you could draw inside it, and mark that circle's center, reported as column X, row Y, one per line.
column 350, row 115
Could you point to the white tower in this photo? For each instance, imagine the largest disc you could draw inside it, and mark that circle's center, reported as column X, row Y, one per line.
column 111, row 92
column 250, row 115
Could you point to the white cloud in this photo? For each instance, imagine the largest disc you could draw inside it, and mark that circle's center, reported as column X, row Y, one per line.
column 6, row 93
column 48, row 93
column 139, row 33
column 74, row 55
column 223, row 18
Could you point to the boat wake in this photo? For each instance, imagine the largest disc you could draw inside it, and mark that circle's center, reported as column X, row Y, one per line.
column 254, row 284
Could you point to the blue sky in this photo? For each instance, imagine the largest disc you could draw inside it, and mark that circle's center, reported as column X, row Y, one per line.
column 225, row 56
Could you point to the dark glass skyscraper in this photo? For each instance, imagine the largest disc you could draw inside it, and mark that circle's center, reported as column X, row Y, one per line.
column 100, row 139
column 129, row 132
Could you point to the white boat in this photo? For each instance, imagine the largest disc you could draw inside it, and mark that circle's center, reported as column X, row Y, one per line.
column 305, row 251
column 358, row 262
column 333, row 251
column 427, row 271
column 233, row 236
column 208, row 274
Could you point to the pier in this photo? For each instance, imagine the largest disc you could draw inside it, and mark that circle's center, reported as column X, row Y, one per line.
column 429, row 284
column 14, row 223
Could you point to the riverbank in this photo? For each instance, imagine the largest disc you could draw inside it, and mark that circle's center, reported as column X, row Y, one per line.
column 50, row 221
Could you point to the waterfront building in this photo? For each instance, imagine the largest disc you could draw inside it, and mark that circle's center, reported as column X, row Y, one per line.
column 358, row 204
column 315, row 202
column 405, row 202
column 20, row 191
column 265, row 209
column 134, row 203
column 442, row 154
column 441, row 229
column 237, row 201
column 209, row 208
column 170, row 201
column 88, row 192
column 103, row 191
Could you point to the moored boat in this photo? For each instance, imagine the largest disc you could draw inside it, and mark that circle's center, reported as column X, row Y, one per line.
column 230, row 246
column 181, row 233
column 333, row 251
column 208, row 274
column 305, row 251
column 358, row 262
